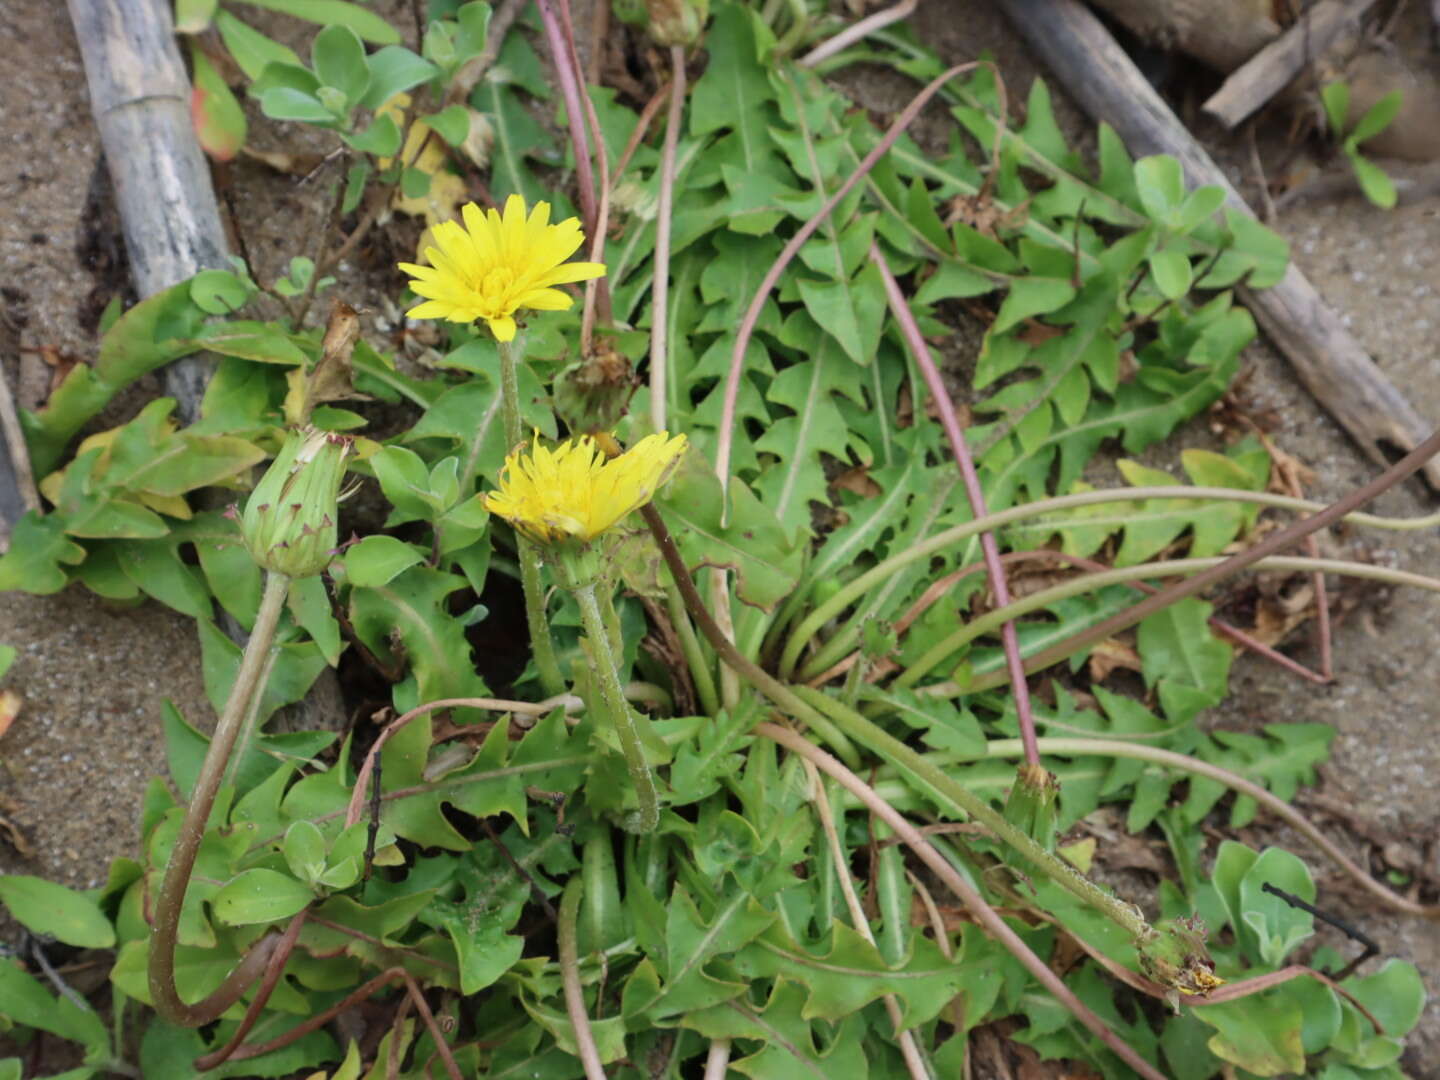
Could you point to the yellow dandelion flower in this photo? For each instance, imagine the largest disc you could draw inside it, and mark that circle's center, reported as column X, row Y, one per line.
column 494, row 265
column 574, row 492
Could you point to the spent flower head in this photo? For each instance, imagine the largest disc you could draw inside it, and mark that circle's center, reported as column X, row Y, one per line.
column 568, row 496
column 289, row 522
column 494, row 265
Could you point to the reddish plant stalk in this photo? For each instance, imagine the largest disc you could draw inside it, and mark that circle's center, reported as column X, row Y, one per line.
column 560, row 55
column 939, row 588
column 994, row 571
column 1291, row 534
column 986, row 915
column 757, row 302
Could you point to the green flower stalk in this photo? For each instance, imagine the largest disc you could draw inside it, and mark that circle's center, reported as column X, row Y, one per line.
column 289, row 528
column 565, row 500
column 489, row 267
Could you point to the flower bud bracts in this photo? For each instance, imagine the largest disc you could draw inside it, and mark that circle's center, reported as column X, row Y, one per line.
column 289, row 524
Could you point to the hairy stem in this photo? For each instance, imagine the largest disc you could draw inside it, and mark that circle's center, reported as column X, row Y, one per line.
column 607, row 681
column 541, row 644
column 171, row 898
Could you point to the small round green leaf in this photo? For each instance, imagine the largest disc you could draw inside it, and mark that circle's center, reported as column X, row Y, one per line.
column 259, row 896
column 219, row 292
column 1172, row 273
column 47, row 908
column 304, row 849
column 381, row 138
column 339, row 60
column 287, row 103
column 1378, row 187
column 452, row 124
column 1198, row 206
column 378, row 560
column 1379, row 116
column 393, row 70
column 1160, row 183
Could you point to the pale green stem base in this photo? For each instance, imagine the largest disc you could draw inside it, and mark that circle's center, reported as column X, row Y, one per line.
column 541, row 644
column 695, row 655
column 607, row 682
column 171, row 898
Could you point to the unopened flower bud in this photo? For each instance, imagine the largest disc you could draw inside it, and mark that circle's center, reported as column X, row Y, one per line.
column 289, row 522
column 678, row 22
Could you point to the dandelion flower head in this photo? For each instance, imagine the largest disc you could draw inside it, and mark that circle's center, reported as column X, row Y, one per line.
column 574, row 492
column 493, row 265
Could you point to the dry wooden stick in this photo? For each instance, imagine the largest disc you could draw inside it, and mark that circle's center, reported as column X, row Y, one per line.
column 1275, row 66
column 140, row 96
column 1330, row 362
column 17, row 481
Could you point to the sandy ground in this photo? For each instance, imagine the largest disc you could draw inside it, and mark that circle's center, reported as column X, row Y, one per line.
column 77, row 761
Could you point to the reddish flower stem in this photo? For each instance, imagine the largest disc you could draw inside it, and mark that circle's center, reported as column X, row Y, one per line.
column 757, row 302
column 986, row 915
column 994, row 571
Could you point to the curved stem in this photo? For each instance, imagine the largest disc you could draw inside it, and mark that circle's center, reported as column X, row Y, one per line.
column 887, row 568
column 793, row 245
column 171, row 899
column 314, row 1023
column 947, row 789
column 541, row 644
column 604, row 675
column 857, row 31
column 779, row 693
column 942, row 586
column 570, row 976
column 1124, row 574
column 986, row 915
column 994, row 571
column 1291, row 534
column 1010, row 748
column 273, row 969
column 826, row 715
column 695, row 657
column 570, row 91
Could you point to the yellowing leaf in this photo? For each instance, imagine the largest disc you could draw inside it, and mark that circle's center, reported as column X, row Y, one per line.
column 424, row 152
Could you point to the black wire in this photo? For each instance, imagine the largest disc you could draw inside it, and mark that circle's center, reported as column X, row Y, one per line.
column 1371, row 949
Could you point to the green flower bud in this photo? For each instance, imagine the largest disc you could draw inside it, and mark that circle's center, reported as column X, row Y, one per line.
column 1031, row 804
column 289, row 522
column 677, row 22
